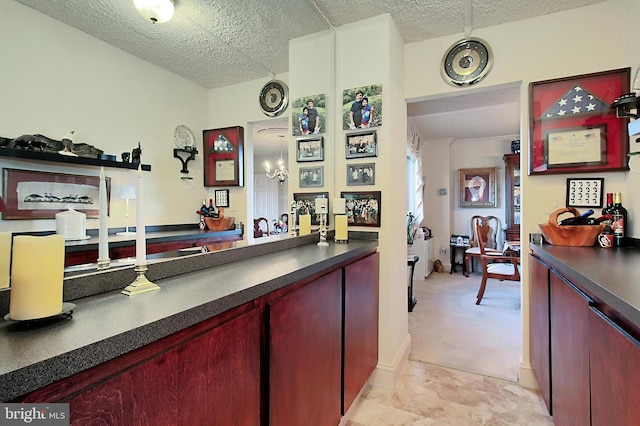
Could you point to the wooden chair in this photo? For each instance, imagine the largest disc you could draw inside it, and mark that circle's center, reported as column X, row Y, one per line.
column 497, row 266
column 257, row 231
column 488, row 227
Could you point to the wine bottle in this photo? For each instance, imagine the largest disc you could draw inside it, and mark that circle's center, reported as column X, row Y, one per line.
column 618, row 221
column 609, row 206
column 204, row 209
column 576, row 220
column 212, row 210
column 598, row 220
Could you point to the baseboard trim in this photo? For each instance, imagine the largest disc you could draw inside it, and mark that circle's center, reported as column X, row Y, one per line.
column 527, row 378
column 385, row 376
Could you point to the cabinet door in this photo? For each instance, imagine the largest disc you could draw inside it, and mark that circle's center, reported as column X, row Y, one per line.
column 539, row 327
column 569, row 354
column 615, row 376
column 305, row 331
column 360, row 326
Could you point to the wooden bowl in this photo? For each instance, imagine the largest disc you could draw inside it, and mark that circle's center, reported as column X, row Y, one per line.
column 220, row 224
column 571, row 235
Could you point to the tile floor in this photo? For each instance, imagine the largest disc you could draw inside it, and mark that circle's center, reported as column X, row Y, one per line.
column 428, row 394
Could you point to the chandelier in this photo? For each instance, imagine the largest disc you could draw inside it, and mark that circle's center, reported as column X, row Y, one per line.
column 280, row 172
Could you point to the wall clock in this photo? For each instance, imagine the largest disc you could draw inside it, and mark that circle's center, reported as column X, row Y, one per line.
column 466, row 62
column 274, row 98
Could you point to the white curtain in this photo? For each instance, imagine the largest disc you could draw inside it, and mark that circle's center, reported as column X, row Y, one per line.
column 414, row 146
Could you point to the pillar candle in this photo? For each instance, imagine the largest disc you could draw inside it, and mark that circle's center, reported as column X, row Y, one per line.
column 305, row 224
column 341, row 228
column 5, row 258
column 141, row 238
column 103, row 242
column 37, row 273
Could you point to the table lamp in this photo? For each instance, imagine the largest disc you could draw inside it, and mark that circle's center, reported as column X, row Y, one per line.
column 127, row 193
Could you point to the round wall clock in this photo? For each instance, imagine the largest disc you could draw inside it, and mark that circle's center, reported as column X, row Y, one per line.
column 274, row 98
column 466, row 62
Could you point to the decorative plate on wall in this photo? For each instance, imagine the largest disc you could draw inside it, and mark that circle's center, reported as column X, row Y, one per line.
column 466, row 62
column 274, row 98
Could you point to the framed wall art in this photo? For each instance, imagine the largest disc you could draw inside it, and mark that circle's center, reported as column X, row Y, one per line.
column 308, row 115
column 362, row 107
column 585, row 192
column 311, row 176
column 306, row 204
column 361, row 143
column 31, row 194
column 223, row 156
column 363, row 208
column 573, row 128
column 310, row 149
column 222, row 197
column 361, row 174
column 477, row 187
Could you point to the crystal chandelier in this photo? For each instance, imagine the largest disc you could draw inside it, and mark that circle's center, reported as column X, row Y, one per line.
column 280, row 172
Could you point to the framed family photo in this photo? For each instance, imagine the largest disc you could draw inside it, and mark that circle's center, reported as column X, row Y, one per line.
column 363, row 208
column 477, row 187
column 361, row 174
column 311, row 176
column 361, row 144
column 573, row 127
column 362, row 107
column 310, row 149
column 308, row 115
column 306, row 204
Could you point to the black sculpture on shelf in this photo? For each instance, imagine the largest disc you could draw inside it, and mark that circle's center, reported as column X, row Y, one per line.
column 125, row 157
column 136, row 154
column 43, row 143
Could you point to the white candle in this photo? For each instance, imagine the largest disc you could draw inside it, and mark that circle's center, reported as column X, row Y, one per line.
column 5, row 258
column 103, row 243
column 141, row 239
column 37, row 273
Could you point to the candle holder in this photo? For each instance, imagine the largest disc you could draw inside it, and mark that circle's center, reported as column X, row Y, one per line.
column 292, row 226
column 141, row 284
column 323, row 227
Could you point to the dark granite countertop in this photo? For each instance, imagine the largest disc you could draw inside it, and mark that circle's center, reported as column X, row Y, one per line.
column 610, row 275
column 193, row 289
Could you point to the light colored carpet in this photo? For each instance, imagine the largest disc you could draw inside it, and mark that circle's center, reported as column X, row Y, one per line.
column 447, row 328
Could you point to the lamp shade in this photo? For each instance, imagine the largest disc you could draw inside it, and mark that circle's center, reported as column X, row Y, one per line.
column 3, row 206
column 127, row 193
column 157, row 11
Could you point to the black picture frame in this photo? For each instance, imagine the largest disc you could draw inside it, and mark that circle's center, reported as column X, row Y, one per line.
column 309, row 177
column 361, row 174
column 363, row 208
column 306, row 202
column 585, row 192
column 361, row 144
column 310, row 149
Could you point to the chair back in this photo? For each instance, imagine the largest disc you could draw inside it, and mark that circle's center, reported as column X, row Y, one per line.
column 487, row 231
column 258, row 231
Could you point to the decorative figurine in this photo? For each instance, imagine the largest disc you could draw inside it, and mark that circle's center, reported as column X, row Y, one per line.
column 125, row 157
column 136, row 154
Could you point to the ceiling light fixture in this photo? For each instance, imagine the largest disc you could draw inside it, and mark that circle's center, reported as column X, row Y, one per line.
column 281, row 173
column 157, row 11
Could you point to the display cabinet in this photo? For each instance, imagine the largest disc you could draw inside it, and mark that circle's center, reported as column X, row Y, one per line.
column 512, row 197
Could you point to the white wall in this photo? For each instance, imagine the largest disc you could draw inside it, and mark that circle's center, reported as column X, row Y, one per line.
column 563, row 44
column 55, row 79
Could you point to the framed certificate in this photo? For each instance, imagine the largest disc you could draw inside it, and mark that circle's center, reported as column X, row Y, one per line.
column 223, row 156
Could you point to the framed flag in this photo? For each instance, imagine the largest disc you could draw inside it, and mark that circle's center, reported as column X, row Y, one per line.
column 573, row 128
column 223, row 156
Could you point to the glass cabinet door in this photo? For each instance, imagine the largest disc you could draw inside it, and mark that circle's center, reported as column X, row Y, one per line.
column 512, row 199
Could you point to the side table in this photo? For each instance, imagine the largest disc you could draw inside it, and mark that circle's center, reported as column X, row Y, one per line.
column 453, row 248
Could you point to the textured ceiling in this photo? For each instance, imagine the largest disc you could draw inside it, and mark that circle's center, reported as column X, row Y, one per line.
column 216, row 43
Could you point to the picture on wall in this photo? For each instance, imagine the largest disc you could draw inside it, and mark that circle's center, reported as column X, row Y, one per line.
column 310, row 149
column 308, row 115
column 363, row 208
column 361, row 143
column 477, row 187
column 30, row 194
column 361, row 174
column 223, row 156
column 585, row 192
column 311, row 176
column 306, row 204
column 362, row 107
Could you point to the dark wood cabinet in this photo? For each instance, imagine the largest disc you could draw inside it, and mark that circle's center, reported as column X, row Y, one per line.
column 615, row 376
column 360, row 326
column 569, row 353
column 539, row 328
column 305, row 332
column 512, row 197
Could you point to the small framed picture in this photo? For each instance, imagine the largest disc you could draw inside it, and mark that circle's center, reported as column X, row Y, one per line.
column 306, row 204
column 222, row 197
column 361, row 174
column 310, row 149
column 363, row 208
column 311, row 176
column 363, row 143
column 585, row 192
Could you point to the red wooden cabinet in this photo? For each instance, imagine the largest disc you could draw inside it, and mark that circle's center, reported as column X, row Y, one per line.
column 305, row 354
column 569, row 353
column 360, row 326
column 615, row 377
column 539, row 338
